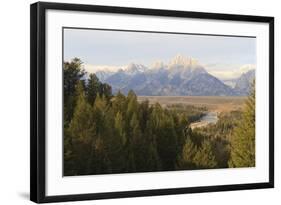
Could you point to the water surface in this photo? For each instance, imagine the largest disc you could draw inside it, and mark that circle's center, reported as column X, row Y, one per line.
column 209, row 118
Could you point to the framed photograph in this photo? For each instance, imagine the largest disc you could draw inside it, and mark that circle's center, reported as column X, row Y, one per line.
column 129, row 102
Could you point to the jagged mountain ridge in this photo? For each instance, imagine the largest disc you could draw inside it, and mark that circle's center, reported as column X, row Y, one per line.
column 243, row 83
column 182, row 76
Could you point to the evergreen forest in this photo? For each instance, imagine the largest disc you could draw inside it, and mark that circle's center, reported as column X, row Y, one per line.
column 106, row 133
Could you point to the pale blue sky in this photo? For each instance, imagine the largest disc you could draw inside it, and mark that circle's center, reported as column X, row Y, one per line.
column 115, row 48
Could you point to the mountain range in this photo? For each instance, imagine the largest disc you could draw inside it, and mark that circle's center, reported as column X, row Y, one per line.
column 182, row 76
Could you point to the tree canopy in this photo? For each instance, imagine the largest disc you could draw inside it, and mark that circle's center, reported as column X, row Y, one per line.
column 106, row 133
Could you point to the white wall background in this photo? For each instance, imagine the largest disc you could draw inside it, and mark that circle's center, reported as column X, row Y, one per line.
column 14, row 100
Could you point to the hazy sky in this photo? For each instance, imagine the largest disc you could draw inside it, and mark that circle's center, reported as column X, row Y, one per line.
column 119, row 48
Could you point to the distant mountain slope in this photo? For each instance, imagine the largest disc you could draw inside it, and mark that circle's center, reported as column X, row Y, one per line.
column 205, row 85
column 243, row 84
column 230, row 82
column 181, row 76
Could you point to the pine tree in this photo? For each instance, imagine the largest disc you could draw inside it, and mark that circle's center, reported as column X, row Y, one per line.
column 120, row 127
column 99, row 111
column 242, row 152
column 92, row 88
column 81, row 132
column 167, row 144
column 100, row 164
column 205, row 158
column 104, row 133
column 182, row 129
column 132, row 105
column 163, row 128
column 69, row 168
column 72, row 74
column 187, row 157
column 114, row 139
column 152, row 160
column 82, row 125
column 144, row 112
column 137, row 143
column 105, row 90
column 119, row 103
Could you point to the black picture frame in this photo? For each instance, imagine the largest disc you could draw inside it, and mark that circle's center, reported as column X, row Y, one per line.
column 38, row 100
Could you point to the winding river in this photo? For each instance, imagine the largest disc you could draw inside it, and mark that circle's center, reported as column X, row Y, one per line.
column 209, row 118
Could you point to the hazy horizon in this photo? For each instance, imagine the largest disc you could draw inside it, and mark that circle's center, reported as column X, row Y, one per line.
column 225, row 57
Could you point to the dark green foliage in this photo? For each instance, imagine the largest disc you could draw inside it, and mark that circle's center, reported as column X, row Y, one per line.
column 117, row 134
column 80, row 135
column 167, row 143
column 72, row 74
column 219, row 135
column 93, row 88
column 204, row 157
column 243, row 139
column 188, row 153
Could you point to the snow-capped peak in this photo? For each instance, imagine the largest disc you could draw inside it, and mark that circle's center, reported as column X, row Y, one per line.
column 133, row 68
column 180, row 60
